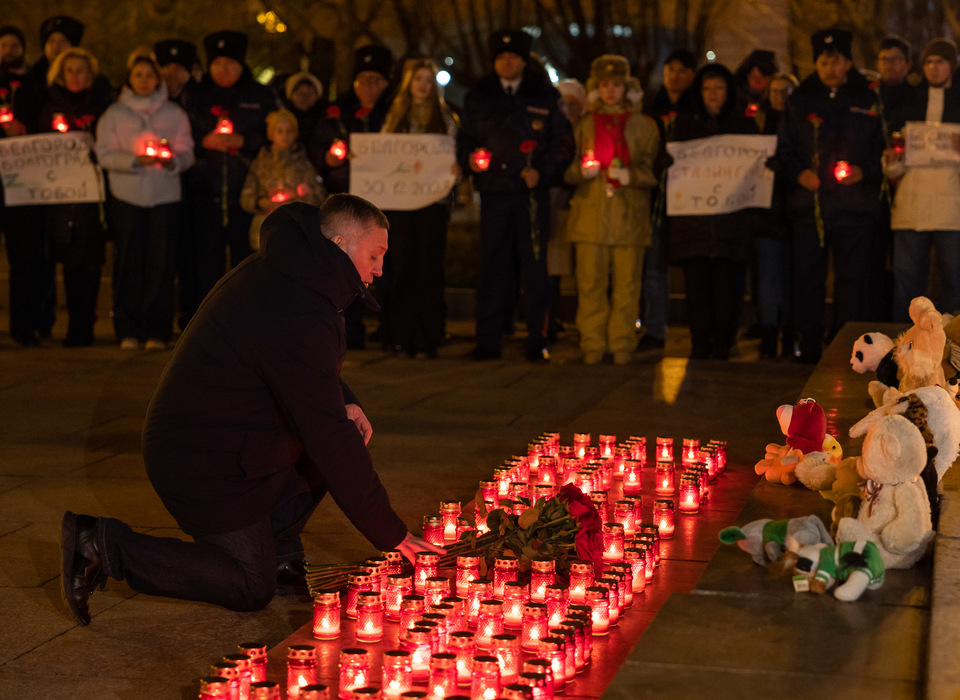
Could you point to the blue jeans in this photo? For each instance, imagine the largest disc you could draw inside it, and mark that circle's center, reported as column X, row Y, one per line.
column 236, row 570
column 656, row 291
column 911, row 269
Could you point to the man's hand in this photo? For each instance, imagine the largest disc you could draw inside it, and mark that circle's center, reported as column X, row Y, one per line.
column 355, row 413
column 855, row 176
column 809, row 180
column 412, row 544
column 222, row 142
column 530, row 176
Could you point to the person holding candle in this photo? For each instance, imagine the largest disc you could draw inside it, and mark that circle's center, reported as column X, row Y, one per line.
column 144, row 143
column 515, row 143
column 281, row 173
column 242, row 470
column 926, row 207
column 610, row 210
column 713, row 250
column 413, row 321
column 833, row 116
column 227, row 111
column 76, row 231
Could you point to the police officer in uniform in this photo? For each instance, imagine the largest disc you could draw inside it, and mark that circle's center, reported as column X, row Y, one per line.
column 176, row 58
column 830, row 143
column 227, row 111
column 513, row 114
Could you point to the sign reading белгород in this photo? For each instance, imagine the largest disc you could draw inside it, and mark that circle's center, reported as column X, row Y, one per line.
column 719, row 175
column 402, row 172
column 930, row 144
column 49, row 169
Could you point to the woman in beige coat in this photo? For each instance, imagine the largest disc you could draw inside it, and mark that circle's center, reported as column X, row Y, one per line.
column 610, row 210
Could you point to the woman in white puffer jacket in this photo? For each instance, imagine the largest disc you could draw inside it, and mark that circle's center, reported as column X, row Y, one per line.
column 144, row 143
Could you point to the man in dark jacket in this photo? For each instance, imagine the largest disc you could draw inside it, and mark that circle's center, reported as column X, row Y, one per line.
column 514, row 114
column 830, row 142
column 251, row 426
column 176, row 58
column 227, row 111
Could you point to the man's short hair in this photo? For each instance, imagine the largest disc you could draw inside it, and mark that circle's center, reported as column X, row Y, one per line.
column 895, row 42
column 684, row 56
column 340, row 209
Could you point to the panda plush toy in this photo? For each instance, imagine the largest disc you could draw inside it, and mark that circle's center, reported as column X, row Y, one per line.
column 874, row 352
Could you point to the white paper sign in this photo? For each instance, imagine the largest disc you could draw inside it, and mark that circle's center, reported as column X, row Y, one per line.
column 930, row 144
column 719, row 174
column 49, row 169
column 402, row 171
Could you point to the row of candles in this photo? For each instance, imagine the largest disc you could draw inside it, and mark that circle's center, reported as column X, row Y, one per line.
column 475, row 639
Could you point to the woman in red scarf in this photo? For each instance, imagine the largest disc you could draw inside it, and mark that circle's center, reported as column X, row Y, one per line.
column 610, row 210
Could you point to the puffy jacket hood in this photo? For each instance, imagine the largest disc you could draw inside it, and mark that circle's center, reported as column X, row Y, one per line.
column 292, row 243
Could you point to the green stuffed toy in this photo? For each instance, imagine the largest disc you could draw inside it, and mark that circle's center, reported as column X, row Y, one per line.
column 856, row 566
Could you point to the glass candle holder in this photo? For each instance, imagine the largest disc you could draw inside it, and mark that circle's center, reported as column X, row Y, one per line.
column 516, row 691
column 316, row 691
column 690, row 452
column 612, row 542
column 556, row 598
column 568, row 637
column 326, row 615
column 426, row 564
column 598, row 598
column 580, row 443
column 370, row 692
column 436, row 588
column 356, row 584
column 636, row 557
column 468, row 569
column 462, row 644
column 490, row 492
column 538, row 683
column 214, row 688
column 301, row 668
column 624, row 574
column 489, row 622
column 515, row 595
column 534, row 450
column 721, row 446
column 600, row 500
column 397, row 675
column 632, row 480
column 543, row 573
column 609, row 584
column 539, row 667
column 663, row 517
column 265, row 690
column 439, row 623
column 581, row 578
column 457, row 616
column 689, row 497
column 583, row 618
column 637, row 502
column 411, row 608
column 534, row 625
column 638, row 449
column 477, row 591
column 708, row 455
column 573, row 632
column 433, row 529
column 583, row 480
column 443, row 676
column 231, row 672
column 608, row 445
column 258, row 659
column 664, row 484
column 646, row 543
column 485, row 683
column 654, row 530
column 554, row 650
column 506, row 647
column 397, row 586
column 664, row 450
column 450, row 513
column 418, row 643
column 700, row 470
column 246, row 675
column 373, row 569
column 394, row 561
column 504, row 569
column 625, row 514
column 369, row 627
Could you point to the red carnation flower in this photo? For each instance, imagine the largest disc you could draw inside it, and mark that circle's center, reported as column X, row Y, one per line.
column 14, row 84
column 362, row 112
column 528, row 147
column 814, row 119
column 218, row 111
column 333, row 112
column 4, row 92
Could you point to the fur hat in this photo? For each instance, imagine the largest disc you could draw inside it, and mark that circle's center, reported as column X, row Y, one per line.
column 613, row 67
column 834, row 39
column 374, row 58
column 942, row 47
column 510, row 41
column 296, row 79
column 68, row 26
column 183, row 53
column 227, row 44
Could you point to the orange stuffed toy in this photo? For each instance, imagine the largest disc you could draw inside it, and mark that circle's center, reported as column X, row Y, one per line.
column 805, row 426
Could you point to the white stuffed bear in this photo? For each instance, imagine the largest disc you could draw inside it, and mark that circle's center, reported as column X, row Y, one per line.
column 874, row 352
column 895, row 513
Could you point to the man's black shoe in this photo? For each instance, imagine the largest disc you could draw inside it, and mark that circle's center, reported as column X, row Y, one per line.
column 538, row 356
column 81, row 571
column 648, row 342
column 479, row 354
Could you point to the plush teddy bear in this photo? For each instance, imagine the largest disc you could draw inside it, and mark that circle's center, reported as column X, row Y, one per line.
column 857, row 566
column 874, row 352
column 834, row 479
column 919, row 350
column 805, row 426
column 766, row 540
column 951, row 356
column 895, row 512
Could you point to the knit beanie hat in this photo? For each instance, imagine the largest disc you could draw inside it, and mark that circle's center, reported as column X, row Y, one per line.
column 942, row 47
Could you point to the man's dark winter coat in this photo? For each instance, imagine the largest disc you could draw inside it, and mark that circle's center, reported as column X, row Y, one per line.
column 253, row 392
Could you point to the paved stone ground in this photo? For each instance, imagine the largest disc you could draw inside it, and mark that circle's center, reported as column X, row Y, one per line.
column 70, row 439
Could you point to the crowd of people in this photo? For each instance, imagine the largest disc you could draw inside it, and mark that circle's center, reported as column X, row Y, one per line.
column 571, row 179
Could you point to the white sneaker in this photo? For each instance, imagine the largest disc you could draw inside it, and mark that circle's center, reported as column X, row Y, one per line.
column 154, row 344
column 129, row 344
